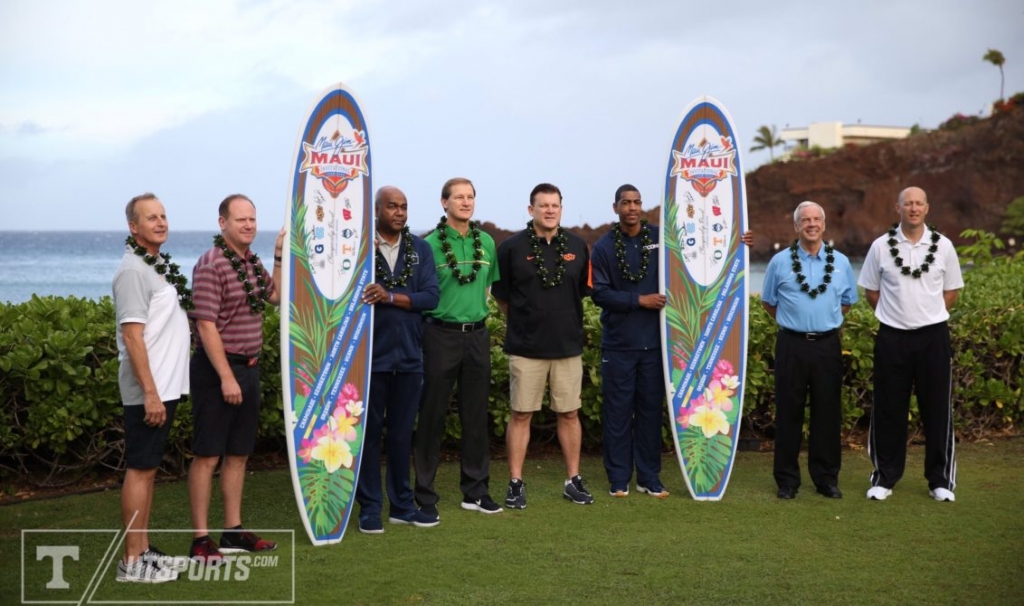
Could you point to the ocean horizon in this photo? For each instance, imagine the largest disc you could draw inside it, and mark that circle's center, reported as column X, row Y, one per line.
column 82, row 263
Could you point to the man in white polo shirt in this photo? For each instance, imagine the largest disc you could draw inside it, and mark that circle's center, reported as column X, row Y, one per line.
column 911, row 277
column 150, row 302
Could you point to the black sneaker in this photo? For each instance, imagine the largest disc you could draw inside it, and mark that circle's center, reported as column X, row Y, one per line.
column 576, row 491
column 484, row 505
column 515, row 498
column 238, row 540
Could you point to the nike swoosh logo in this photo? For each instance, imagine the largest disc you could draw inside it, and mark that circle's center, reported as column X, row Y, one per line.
column 530, row 257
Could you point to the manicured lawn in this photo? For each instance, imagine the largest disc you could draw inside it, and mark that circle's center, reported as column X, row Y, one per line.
column 749, row 548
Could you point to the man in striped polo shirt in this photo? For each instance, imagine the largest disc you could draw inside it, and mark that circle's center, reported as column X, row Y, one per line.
column 230, row 289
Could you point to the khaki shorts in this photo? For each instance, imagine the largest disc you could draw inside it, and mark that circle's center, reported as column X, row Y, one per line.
column 529, row 376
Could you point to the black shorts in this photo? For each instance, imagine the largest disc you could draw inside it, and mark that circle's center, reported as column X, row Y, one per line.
column 144, row 444
column 219, row 428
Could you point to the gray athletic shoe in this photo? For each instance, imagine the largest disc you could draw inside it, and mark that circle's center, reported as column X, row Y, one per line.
column 515, row 498
column 576, row 491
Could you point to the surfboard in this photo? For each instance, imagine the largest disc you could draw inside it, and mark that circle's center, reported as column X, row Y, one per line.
column 704, row 277
column 326, row 329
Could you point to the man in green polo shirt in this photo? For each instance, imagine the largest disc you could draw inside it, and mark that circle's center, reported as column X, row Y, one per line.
column 456, row 350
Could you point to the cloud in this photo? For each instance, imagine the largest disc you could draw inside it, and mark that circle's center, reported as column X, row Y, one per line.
column 113, row 71
column 102, row 100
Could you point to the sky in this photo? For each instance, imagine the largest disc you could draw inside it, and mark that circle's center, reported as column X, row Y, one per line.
column 194, row 100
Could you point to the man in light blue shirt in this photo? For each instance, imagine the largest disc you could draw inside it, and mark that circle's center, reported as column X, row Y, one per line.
column 808, row 288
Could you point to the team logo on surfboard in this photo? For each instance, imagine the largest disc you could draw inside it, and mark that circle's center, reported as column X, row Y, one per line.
column 705, row 164
column 336, row 161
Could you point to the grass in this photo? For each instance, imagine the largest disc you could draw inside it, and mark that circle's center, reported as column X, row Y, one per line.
column 750, row 548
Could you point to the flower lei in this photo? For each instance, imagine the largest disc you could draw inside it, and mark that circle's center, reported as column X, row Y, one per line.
column 258, row 294
column 449, row 256
column 928, row 259
column 802, row 280
column 163, row 266
column 385, row 276
column 645, row 255
column 538, row 257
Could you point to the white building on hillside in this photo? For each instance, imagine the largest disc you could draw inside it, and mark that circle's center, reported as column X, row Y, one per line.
column 829, row 135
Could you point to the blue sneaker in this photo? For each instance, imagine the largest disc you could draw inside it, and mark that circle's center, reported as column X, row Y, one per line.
column 371, row 525
column 417, row 518
column 655, row 489
column 619, row 491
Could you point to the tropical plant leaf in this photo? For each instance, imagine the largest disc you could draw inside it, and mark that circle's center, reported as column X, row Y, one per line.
column 327, row 496
column 706, row 458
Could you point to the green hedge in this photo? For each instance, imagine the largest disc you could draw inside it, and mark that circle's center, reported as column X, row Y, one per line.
column 60, row 407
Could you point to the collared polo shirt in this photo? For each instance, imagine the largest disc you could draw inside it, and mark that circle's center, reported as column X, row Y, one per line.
column 543, row 323
column 795, row 309
column 463, row 302
column 906, row 302
column 389, row 251
column 219, row 297
column 143, row 296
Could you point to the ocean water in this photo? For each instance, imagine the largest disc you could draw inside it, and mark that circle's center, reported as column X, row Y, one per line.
column 82, row 263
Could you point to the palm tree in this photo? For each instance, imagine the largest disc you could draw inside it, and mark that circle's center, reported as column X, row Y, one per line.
column 767, row 139
column 996, row 58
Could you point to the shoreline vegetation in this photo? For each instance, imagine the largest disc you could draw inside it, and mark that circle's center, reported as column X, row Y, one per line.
column 60, row 408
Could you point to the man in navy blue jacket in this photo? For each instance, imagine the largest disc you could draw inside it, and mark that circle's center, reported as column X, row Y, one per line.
column 625, row 287
column 406, row 286
column 625, row 280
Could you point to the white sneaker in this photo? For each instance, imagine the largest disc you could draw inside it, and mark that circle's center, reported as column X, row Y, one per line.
column 879, row 493
column 941, row 494
column 144, row 571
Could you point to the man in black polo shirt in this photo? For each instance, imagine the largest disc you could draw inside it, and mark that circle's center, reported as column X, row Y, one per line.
column 544, row 277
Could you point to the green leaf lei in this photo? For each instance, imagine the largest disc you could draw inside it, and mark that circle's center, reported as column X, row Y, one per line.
column 449, row 256
column 801, row 279
column 170, row 271
column 258, row 294
column 645, row 254
column 538, row 258
column 382, row 272
column 928, row 259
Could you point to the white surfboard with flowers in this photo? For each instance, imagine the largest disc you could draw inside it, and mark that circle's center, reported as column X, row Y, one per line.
column 704, row 277
column 326, row 329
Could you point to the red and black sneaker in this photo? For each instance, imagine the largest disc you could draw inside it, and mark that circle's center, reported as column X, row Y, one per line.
column 205, row 552
column 238, row 540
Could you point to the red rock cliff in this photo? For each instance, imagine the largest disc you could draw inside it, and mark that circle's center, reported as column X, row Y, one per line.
column 970, row 176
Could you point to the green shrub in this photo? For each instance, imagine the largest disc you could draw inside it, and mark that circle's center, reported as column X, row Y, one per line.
column 60, row 411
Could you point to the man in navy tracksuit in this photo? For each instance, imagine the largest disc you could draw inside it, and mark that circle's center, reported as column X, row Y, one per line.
column 625, row 282
column 406, row 286
column 625, row 287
